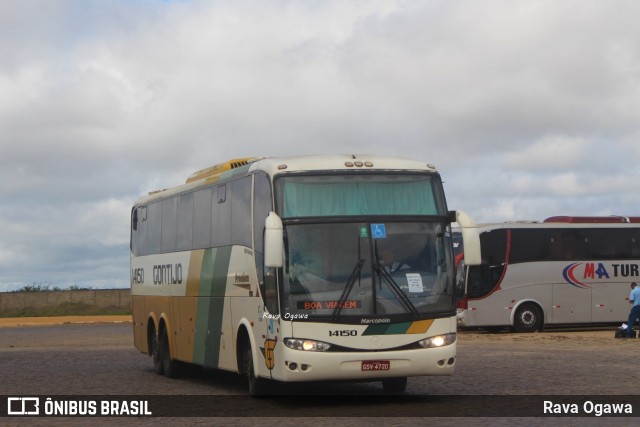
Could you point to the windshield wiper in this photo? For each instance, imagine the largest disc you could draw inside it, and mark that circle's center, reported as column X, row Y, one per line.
column 395, row 288
column 347, row 289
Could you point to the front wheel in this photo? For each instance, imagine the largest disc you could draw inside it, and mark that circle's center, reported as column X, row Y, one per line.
column 528, row 318
column 256, row 385
column 394, row 385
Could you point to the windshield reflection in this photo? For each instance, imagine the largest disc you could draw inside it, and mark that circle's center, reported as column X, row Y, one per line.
column 360, row 269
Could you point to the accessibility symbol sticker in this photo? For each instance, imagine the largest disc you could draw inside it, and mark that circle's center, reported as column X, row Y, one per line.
column 378, row 231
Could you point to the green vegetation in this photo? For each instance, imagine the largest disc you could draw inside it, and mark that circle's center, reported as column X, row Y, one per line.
column 65, row 309
column 46, row 287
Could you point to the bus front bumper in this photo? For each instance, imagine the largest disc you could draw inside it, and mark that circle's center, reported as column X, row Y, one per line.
column 317, row 366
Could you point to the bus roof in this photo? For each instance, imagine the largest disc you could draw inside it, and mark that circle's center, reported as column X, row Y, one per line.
column 594, row 219
column 487, row 227
column 277, row 165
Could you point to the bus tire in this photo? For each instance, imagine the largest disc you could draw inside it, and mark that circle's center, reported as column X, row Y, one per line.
column 256, row 385
column 528, row 318
column 155, row 352
column 169, row 366
column 394, row 385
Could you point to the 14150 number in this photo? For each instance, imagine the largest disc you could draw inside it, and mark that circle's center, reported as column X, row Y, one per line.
column 343, row 333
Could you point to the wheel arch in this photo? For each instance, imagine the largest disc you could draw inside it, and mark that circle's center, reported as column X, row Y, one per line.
column 164, row 324
column 152, row 331
column 244, row 336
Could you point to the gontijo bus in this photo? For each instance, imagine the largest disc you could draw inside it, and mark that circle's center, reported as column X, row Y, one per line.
column 565, row 270
column 298, row 269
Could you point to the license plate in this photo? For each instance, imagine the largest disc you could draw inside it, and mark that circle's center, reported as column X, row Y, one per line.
column 375, row 365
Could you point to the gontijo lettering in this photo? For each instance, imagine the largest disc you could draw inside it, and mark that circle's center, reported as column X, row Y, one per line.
column 167, row 274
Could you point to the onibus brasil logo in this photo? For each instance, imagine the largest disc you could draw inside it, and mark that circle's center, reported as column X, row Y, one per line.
column 589, row 270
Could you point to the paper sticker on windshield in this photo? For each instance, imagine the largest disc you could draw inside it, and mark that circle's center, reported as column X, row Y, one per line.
column 415, row 282
column 378, row 231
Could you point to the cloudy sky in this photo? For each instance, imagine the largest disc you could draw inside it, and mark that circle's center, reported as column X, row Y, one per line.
column 528, row 108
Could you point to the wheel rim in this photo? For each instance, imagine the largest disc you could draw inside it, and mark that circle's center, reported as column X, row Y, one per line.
column 528, row 318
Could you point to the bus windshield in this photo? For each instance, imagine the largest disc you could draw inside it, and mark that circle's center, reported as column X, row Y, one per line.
column 363, row 194
column 356, row 269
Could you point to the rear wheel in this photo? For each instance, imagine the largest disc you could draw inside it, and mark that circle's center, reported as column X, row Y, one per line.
column 394, row 385
column 169, row 366
column 155, row 352
column 528, row 318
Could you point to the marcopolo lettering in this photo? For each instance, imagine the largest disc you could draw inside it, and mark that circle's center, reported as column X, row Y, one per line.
column 241, row 278
column 167, row 274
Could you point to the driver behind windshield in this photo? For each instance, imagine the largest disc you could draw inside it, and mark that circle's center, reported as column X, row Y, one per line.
column 388, row 261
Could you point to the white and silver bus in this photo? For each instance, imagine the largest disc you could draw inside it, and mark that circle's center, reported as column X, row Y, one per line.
column 298, row 269
column 565, row 270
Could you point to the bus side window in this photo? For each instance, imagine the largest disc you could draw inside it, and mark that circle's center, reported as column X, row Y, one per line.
column 201, row 233
column 241, row 211
column 635, row 244
column 133, row 244
column 483, row 279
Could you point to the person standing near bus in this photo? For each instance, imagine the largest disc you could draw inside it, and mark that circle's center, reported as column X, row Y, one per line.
column 634, row 298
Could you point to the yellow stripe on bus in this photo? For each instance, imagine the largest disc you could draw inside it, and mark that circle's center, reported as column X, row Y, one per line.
column 419, row 327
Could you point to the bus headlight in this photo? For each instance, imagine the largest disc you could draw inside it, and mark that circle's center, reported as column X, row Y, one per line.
column 438, row 341
column 306, row 345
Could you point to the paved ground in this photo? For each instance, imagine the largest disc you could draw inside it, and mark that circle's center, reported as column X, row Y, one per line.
column 91, row 358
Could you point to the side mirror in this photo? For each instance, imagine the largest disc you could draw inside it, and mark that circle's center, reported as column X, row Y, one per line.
column 470, row 238
column 461, row 272
column 273, row 241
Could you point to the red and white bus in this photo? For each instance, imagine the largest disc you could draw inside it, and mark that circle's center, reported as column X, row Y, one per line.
column 565, row 270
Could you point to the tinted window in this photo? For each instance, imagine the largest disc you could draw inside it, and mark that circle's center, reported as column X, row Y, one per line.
column 494, row 246
column 134, row 231
column 482, row 279
column 569, row 245
column 366, row 194
column 202, row 219
column 154, row 228
column 221, row 218
column 169, row 209
column 142, row 231
column 241, row 212
column 185, row 222
column 635, row 243
column 529, row 245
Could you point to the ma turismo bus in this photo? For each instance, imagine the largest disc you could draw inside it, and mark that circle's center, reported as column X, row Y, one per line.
column 565, row 270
